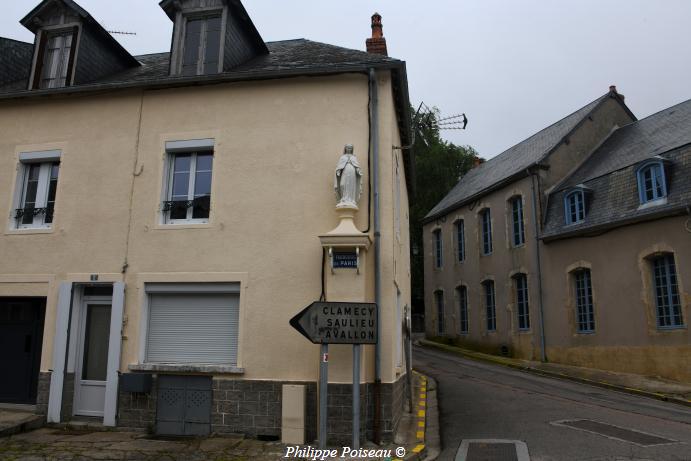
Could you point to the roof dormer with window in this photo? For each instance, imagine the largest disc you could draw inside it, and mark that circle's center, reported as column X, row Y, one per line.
column 652, row 181
column 71, row 47
column 210, row 36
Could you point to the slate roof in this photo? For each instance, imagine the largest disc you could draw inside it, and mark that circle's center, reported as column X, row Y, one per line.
column 610, row 175
column 513, row 161
column 289, row 57
column 15, row 63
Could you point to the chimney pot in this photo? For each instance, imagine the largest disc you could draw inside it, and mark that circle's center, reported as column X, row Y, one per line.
column 377, row 44
column 613, row 89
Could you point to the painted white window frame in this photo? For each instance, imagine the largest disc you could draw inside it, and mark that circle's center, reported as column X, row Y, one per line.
column 179, row 41
column 60, row 64
column 173, row 148
column 26, row 160
column 152, row 288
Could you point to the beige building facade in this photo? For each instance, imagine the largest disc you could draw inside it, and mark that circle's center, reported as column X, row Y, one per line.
column 596, row 277
column 178, row 216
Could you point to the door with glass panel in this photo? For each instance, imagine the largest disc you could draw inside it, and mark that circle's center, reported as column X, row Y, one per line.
column 92, row 360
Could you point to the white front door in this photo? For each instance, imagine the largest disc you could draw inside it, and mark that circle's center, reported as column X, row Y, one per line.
column 92, row 359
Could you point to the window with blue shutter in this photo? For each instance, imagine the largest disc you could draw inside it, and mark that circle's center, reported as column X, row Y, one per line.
column 518, row 229
column 490, row 308
column 651, row 182
column 667, row 299
column 574, row 207
column 486, row 221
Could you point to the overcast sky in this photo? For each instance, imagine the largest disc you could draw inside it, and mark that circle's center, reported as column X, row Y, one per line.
column 513, row 66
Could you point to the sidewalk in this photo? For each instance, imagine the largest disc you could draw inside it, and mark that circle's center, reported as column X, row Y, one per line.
column 74, row 442
column 660, row 389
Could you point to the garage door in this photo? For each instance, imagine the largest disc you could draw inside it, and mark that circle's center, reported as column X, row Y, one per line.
column 21, row 336
column 193, row 328
column 184, row 405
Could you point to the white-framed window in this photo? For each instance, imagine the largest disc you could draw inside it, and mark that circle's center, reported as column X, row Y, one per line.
column 201, row 53
column 187, row 195
column 36, row 190
column 652, row 183
column 54, row 68
column 192, row 323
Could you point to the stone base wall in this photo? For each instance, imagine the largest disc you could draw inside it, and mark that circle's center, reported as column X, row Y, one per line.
column 138, row 410
column 67, row 407
column 253, row 408
column 43, row 393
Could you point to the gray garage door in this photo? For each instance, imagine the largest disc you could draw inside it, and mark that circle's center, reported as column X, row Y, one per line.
column 193, row 328
column 184, row 405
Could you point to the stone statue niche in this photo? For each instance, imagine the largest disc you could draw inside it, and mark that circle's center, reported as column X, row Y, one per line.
column 348, row 180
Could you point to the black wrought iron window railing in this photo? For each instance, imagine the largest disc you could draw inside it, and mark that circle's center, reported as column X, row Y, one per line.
column 27, row 215
column 188, row 209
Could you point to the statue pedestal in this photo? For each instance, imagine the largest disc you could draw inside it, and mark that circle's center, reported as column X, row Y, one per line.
column 346, row 281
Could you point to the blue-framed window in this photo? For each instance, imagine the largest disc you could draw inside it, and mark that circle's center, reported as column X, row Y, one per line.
column 439, row 301
column 585, row 312
column 486, row 221
column 490, row 308
column 463, row 308
column 522, row 307
column 651, row 181
column 460, row 240
column 518, row 229
column 438, row 249
column 667, row 298
column 574, row 206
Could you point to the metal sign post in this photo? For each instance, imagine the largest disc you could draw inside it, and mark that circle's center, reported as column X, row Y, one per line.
column 323, row 395
column 327, row 323
column 356, row 396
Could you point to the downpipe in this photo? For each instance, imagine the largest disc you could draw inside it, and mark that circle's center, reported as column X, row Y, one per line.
column 374, row 119
column 536, row 231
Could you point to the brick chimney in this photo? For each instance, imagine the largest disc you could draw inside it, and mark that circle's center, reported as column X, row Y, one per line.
column 377, row 44
column 613, row 89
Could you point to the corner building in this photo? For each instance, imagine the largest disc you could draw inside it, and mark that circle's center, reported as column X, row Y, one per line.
column 162, row 215
column 572, row 246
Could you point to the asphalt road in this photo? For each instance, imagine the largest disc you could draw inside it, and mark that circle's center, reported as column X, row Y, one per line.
column 485, row 401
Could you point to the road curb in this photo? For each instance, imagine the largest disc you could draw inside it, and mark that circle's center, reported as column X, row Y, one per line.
column 423, row 405
column 551, row 374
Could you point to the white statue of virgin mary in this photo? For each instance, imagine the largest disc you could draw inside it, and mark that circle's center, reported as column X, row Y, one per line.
column 348, row 180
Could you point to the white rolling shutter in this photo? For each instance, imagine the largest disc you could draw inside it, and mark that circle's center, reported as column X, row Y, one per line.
column 200, row 328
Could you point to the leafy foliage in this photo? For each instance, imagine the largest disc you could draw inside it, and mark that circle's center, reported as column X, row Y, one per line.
column 439, row 165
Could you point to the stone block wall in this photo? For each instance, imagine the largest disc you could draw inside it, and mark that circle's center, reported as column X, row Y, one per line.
column 253, row 408
column 43, row 392
column 138, row 410
column 67, row 407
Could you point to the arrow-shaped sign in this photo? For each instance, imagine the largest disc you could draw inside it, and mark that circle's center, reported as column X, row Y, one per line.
column 338, row 323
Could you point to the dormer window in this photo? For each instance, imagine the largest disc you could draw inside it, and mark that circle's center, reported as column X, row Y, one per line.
column 652, row 185
column 55, row 67
column 202, row 45
column 574, row 206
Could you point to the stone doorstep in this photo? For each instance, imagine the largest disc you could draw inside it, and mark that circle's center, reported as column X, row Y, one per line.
column 16, row 422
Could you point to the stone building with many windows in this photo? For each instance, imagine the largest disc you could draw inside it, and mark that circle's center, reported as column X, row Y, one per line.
column 163, row 215
column 572, row 246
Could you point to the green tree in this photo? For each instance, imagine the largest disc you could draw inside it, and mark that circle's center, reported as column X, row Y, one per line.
column 439, row 165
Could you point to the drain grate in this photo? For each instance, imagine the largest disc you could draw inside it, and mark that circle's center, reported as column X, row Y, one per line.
column 491, row 452
column 615, row 432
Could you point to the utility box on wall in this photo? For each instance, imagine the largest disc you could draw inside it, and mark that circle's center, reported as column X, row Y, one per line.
column 293, row 415
column 136, row 382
